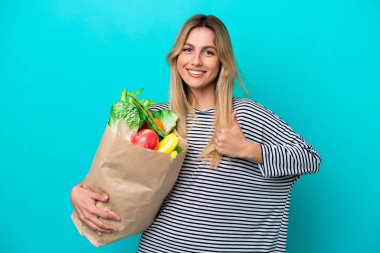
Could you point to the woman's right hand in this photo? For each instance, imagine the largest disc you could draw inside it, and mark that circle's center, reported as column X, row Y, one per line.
column 83, row 201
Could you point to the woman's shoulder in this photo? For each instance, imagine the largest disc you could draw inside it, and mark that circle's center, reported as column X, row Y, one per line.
column 248, row 105
column 249, row 109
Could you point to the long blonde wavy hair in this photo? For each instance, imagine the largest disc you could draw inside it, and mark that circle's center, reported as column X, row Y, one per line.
column 179, row 94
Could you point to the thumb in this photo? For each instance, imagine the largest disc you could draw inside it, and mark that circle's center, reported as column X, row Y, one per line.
column 234, row 121
column 98, row 196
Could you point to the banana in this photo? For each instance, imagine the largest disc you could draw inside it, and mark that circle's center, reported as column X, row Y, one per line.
column 168, row 144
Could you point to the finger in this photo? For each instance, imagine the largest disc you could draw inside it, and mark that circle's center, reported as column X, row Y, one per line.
column 94, row 215
column 80, row 215
column 216, row 132
column 107, row 228
column 218, row 149
column 108, row 215
column 98, row 196
column 223, row 132
column 234, row 119
column 218, row 145
column 96, row 228
column 219, row 129
column 216, row 141
column 88, row 219
column 104, row 214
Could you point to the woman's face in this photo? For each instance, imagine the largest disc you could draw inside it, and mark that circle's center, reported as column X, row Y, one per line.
column 198, row 63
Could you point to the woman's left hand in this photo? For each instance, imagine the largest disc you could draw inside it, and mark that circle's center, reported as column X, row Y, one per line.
column 230, row 141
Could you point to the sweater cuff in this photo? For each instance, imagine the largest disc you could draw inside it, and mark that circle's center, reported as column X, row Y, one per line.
column 265, row 167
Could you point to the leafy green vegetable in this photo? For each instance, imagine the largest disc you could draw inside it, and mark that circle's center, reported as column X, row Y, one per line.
column 128, row 112
column 167, row 118
column 135, row 112
column 143, row 110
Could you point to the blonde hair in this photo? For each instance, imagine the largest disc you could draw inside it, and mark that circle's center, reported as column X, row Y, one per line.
column 179, row 94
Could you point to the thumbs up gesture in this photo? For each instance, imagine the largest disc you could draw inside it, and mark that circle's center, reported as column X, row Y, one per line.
column 230, row 141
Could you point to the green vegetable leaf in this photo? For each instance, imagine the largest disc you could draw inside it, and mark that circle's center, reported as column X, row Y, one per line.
column 134, row 119
column 128, row 112
column 118, row 111
column 168, row 118
column 139, row 91
column 123, row 95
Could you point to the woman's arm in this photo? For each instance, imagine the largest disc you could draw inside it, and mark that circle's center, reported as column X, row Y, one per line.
column 284, row 152
column 282, row 160
column 281, row 152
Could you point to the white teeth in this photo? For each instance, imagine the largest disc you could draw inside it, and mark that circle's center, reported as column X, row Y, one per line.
column 194, row 72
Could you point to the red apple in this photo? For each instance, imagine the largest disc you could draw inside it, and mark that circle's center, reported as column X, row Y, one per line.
column 145, row 138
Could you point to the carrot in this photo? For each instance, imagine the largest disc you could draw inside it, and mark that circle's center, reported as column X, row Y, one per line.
column 159, row 124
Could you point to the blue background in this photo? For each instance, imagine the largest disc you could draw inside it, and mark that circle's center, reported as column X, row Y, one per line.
column 63, row 64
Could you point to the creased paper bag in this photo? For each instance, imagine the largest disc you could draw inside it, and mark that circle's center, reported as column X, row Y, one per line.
column 136, row 179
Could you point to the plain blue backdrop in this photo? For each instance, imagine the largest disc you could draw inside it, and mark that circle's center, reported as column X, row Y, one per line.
column 63, row 64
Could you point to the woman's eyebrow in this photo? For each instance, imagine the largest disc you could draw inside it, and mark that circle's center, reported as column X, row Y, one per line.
column 210, row 46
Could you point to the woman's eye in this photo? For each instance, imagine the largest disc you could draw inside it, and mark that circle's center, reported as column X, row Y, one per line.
column 187, row 49
column 209, row 53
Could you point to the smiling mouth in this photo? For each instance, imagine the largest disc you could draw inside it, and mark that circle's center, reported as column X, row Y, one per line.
column 196, row 73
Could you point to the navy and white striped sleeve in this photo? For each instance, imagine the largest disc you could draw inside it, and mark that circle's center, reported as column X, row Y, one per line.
column 285, row 153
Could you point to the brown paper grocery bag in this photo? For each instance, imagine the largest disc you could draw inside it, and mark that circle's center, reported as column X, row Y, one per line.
column 136, row 179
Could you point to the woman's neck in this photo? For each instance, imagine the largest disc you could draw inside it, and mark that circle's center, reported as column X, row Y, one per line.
column 203, row 99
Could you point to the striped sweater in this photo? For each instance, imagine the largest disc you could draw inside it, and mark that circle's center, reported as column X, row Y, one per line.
column 241, row 206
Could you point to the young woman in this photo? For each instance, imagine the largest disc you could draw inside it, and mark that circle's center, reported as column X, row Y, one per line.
column 233, row 191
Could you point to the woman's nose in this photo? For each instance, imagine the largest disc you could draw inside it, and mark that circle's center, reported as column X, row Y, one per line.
column 197, row 60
